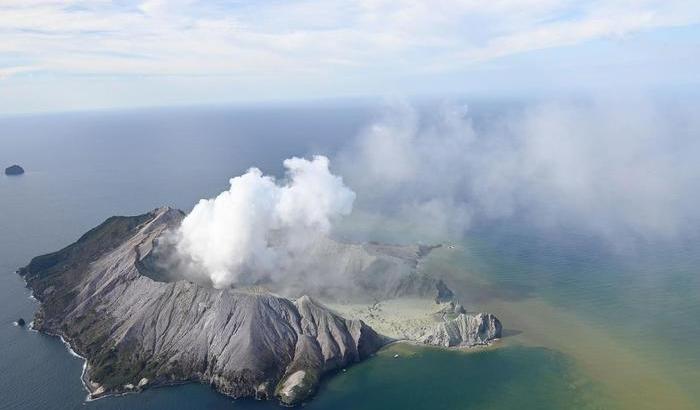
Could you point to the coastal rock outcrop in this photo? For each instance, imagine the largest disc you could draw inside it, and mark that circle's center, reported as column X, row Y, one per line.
column 465, row 330
column 14, row 170
column 135, row 332
column 422, row 320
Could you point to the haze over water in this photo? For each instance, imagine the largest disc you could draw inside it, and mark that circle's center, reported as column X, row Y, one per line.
column 588, row 325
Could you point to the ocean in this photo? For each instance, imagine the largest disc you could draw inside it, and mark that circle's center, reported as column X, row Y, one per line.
column 587, row 325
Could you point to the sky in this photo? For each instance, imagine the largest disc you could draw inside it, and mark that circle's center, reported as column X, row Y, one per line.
column 82, row 55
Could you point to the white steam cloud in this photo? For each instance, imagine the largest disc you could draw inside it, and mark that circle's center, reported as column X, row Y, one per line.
column 616, row 168
column 229, row 239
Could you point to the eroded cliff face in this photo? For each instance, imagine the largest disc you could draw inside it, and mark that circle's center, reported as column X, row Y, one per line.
column 464, row 331
column 136, row 332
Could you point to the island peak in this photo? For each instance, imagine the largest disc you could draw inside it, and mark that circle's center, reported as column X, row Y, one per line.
column 111, row 298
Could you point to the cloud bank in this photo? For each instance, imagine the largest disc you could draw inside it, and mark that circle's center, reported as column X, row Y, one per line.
column 229, row 239
column 612, row 168
column 196, row 37
column 78, row 54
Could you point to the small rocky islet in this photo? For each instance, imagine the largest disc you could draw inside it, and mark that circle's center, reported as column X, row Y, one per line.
column 14, row 170
column 136, row 330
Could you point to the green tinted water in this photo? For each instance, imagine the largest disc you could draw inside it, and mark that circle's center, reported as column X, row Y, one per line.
column 626, row 317
column 421, row 378
column 624, row 311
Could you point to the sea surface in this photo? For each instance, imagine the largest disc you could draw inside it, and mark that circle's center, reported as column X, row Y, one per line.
column 587, row 325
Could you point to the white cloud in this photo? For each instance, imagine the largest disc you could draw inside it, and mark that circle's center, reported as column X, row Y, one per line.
column 619, row 168
column 188, row 37
column 308, row 49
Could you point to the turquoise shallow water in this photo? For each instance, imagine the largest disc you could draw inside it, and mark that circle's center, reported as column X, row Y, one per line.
column 643, row 298
column 505, row 378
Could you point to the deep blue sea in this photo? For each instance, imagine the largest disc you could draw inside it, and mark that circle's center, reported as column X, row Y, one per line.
column 587, row 326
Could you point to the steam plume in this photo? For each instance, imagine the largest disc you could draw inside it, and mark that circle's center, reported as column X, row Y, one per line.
column 229, row 238
column 616, row 168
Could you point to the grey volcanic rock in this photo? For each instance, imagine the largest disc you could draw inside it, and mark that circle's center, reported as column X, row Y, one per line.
column 136, row 332
column 14, row 170
column 359, row 271
column 464, row 331
column 444, row 294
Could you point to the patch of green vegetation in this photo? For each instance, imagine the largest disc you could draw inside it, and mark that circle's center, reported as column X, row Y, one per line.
column 116, row 366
